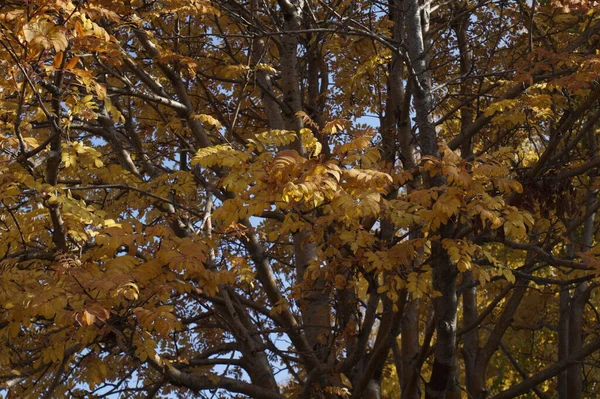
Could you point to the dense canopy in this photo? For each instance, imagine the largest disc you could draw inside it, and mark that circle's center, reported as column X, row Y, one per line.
column 299, row 199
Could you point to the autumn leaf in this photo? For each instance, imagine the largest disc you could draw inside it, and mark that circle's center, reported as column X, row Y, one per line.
column 302, row 199
column 46, row 35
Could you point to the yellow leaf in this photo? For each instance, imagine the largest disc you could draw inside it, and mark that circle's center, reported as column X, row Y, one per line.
column 346, row 381
column 87, row 318
column 382, row 289
column 335, row 126
column 499, row 106
column 72, row 62
column 266, row 68
column 508, row 274
column 58, row 60
column 69, row 159
column 207, row 119
column 129, row 291
column 340, row 282
column 111, row 223
column 463, row 265
column 162, row 327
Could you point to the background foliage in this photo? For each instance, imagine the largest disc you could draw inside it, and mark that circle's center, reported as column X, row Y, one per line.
column 299, row 198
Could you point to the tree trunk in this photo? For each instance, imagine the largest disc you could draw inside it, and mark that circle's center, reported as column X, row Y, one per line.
column 410, row 348
column 471, row 338
column 574, row 388
column 444, row 271
column 574, row 374
column 583, row 291
column 444, row 281
column 290, row 78
column 563, row 340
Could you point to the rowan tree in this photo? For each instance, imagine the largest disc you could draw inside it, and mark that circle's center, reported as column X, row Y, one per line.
column 299, row 198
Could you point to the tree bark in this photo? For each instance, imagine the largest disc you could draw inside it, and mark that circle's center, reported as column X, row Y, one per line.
column 574, row 374
column 471, row 338
column 410, row 348
column 563, row 340
column 290, row 79
column 444, row 271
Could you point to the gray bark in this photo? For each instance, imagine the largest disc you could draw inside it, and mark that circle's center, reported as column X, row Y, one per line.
column 410, row 348
column 290, row 79
column 444, row 272
column 574, row 374
column 563, row 340
column 470, row 338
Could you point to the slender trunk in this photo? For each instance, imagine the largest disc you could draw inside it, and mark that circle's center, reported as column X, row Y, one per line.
column 395, row 92
column 583, row 291
column 263, row 78
column 315, row 305
column 427, row 138
column 574, row 389
column 564, row 327
column 581, row 296
column 444, row 281
column 317, row 87
column 453, row 390
column 471, row 338
column 444, row 271
column 272, row 110
column 410, row 348
column 563, row 340
column 461, row 27
column 290, row 78
column 368, row 380
column 59, row 236
column 390, row 324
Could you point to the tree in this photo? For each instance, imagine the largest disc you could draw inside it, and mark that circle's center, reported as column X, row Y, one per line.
column 299, row 198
